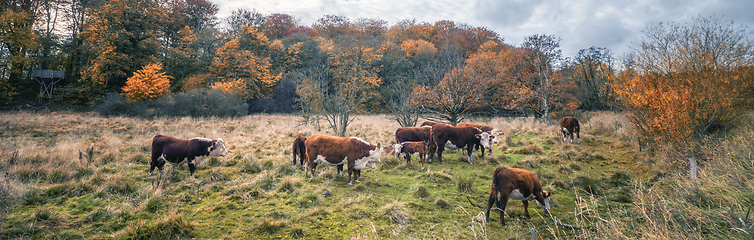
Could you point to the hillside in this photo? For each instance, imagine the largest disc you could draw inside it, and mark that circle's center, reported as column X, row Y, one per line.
column 56, row 187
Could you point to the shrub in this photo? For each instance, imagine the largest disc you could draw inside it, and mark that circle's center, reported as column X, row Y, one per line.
column 200, row 102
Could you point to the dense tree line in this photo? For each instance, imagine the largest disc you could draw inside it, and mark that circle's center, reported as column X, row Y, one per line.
column 338, row 67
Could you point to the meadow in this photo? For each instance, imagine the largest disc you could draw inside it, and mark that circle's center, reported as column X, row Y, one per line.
column 83, row 176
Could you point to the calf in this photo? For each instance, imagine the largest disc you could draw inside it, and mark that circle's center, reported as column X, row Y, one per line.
column 495, row 134
column 175, row 150
column 570, row 126
column 357, row 154
column 516, row 184
column 456, row 137
column 299, row 149
column 419, row 149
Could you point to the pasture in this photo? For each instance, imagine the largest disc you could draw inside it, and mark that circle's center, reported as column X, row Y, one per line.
column 75, row 175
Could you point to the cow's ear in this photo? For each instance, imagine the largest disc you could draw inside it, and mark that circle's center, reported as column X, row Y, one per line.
column 478, row 136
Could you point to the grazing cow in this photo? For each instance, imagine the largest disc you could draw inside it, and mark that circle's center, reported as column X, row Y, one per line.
column 419, row 149
column 175, row 150
column 570, row 126
column 412, row 134
column 299, row 149
column 516, row 184
column 390, row 150
column 495, row 134
column 356, row 153
column 454, row 138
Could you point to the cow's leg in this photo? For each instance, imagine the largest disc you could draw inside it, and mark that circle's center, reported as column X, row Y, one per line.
column 155, row 161
column 577, row 135
column 490, row 201
column 482, row 147
column 471, row 155
column 312, row 167
column 350, row 171
column 191, row 166
column 440, row 148
column 432, row 149
column 408, row 158
column 161, row 164
column 501, row 203
column 526, row 208
column 421, row 157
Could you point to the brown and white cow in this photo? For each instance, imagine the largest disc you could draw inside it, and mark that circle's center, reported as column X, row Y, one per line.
column 412, row 134
column 570, row 126
column 496, row 134
column 355, row 152
column 444, row 135
column 516, row 184
column 419, row 149
column 299, row 149
column 175, row 150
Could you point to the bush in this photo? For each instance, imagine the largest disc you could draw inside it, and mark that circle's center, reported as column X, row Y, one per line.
column 195, row 103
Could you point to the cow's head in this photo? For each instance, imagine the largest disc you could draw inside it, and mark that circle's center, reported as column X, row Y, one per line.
column 546, row 195
column 374, row 157
column 485, row 138
column 398, row 147
column 218, row 148
column 497, row 134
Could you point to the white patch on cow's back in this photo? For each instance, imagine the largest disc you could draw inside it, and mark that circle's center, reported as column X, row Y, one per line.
column 202, row 139
column 362, row 140
column 321, row 159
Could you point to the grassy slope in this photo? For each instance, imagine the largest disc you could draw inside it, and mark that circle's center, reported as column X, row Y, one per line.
column 255, row 192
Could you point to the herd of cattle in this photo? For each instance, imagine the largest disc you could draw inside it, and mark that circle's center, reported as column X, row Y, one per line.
column 356, row 154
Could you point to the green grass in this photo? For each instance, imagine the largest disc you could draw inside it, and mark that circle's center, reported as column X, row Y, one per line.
column 255, row 193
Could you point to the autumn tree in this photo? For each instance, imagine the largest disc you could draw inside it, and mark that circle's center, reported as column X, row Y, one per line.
column 149, row 82
column 397, row 71
column 341, row 83
column 240, row 67
column 546, row 90
column 593, row 74
column 688, row 80
column 450, row 89
column 17, row 40
column 117, row 43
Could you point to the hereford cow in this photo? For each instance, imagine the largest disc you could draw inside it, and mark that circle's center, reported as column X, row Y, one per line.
column 496, row 135
column 516, row 184
column 299, row 149
column 570, row 126
column 412, row 134
column 419, row 149
column 454, row 138
column 356, row 153
column 175, row 150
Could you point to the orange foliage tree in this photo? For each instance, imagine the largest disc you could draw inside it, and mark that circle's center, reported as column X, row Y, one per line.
column 148, row 83
column 688, row 81
column 240, row 68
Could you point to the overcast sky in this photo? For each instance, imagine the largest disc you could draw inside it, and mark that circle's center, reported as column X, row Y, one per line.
column 579, row 24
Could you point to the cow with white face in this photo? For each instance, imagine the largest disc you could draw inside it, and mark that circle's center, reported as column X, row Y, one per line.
column 353, row 152
column 175, row 150
column 495, row 134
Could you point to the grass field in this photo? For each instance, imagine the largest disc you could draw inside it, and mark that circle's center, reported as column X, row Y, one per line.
column 82, row 176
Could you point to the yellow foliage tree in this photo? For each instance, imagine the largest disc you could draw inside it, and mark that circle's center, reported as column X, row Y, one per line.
column 688, row 81
column 148, row 83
